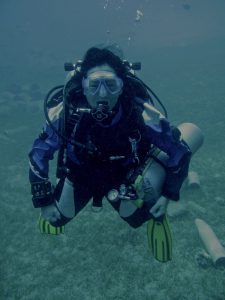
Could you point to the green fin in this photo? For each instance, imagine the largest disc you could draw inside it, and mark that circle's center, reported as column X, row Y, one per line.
column 46, row 227
column 160, row 239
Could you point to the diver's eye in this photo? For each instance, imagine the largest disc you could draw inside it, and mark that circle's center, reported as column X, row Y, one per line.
column 93, row 83
column 111, row 84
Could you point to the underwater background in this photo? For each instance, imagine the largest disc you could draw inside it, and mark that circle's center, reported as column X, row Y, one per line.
column 181, row 45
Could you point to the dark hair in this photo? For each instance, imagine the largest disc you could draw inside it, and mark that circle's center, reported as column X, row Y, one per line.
column 100, row 56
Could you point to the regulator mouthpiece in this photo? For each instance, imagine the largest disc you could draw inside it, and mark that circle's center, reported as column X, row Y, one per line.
column 101, row 112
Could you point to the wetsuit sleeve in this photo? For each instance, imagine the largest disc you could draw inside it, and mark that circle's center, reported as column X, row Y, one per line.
column 167, row 139
column 42, row 152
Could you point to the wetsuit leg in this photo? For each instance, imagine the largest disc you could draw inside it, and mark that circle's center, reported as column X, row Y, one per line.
column 136, row 219
column 70, row 200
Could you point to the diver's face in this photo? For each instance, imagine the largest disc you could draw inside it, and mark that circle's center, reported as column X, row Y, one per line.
column 102, row 86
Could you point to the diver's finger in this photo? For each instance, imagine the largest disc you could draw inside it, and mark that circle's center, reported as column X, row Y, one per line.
column 154, row 208
column 158, row 214
column 52, row 220
column 56, row 214
column 53, row 217
column 49, row 219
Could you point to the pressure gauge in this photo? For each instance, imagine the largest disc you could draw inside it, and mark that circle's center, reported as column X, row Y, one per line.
column 113, row 195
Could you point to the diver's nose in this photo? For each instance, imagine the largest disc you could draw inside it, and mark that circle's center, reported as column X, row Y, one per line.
column 102, row 91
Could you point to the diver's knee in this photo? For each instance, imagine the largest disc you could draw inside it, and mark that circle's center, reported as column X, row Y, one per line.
column 139, row 217
column 133, row 222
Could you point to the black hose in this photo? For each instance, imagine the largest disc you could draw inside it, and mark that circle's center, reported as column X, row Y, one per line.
column 64, row 138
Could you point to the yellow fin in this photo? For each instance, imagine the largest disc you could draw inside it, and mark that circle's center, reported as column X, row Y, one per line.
column 45, row 227
column 160, row 239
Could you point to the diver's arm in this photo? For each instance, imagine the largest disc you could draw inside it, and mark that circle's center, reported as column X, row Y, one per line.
column 167, row 139
column 42, row 152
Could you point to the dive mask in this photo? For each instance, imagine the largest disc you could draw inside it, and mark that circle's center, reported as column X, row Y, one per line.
column 93, row 82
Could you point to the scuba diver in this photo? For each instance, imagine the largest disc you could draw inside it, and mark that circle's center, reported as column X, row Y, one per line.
column 112, row 142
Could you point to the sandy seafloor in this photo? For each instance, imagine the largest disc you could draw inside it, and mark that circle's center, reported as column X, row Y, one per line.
column 100, row 257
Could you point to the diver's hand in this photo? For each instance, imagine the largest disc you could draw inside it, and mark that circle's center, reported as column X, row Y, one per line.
column 160, row 207
column 50, row 213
